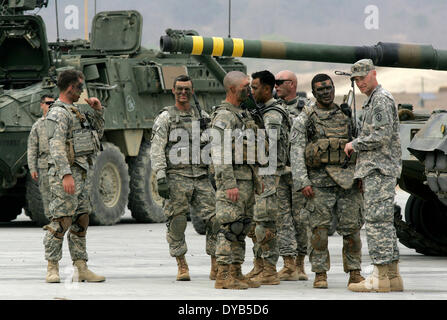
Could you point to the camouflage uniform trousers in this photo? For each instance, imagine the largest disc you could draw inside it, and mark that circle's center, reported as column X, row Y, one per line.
column 379, row 192
column 227, row 211
column 63, row 204
column 292, row 224
column 185, row 192
column 44, row 188
column 348, row 207
column 264, row 229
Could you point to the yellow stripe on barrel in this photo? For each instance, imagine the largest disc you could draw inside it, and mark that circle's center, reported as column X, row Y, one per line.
column 238, row 47
column 197, row 45
column 218, row 46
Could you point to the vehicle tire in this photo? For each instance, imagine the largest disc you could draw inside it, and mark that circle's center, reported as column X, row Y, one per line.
column 12, row 201
column 34, row 204
column 144, row 201
column 198, row 223
column 109, row 186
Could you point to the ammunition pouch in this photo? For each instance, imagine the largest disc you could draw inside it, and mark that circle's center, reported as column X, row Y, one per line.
column 69, row 149
column 85, row 142
column 59, row 226
column 79, row 228
column 327, row 151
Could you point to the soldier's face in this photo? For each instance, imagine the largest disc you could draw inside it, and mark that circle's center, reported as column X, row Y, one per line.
column 76, row 90
column 45, row 105
column 366, row 84
column 241, row 91
column 259, row 91
column 183, row 91
column 283, row 86
column 324, row 92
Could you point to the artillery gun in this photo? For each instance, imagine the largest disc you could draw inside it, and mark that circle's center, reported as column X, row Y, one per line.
column 132, row 82
column 423, row 137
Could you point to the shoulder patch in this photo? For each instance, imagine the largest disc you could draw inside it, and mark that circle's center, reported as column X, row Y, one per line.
column 220, row 124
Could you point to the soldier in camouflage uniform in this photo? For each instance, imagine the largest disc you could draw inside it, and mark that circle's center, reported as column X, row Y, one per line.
column 320, row 171
column 38, row 153
column 292, row 223
column 183, row 182
column 378, row 165
column 277, row 125
column 236, row 181
column 73, row 141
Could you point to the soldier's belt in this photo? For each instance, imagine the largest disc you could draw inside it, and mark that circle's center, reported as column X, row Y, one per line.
column 327, row 151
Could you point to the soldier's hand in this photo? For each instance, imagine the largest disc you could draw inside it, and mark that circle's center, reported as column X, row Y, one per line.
column 163, row 188
column 68, row 184
column 349, row 149
column 233, row 194
column 94, row 103
column 34, row 175
column 308, row 192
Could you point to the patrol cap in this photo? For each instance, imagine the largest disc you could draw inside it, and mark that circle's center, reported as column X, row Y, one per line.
column 362, row 68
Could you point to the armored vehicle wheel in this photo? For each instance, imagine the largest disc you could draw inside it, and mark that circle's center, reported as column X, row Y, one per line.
column 34, row 205
column 109, row 186
column 12, row 201
column 144, row 201
column 198, row 223
column 431, row 244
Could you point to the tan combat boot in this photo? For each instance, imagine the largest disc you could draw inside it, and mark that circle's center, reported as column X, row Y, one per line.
column 82, row 273
column 183, row 270
column 258, row 266
column 320, row 281
column 269, row 275
column 213, row 272
column 236, row 272
column 300, row 268
column 53, row 272
column 355, row 277
column 288, row 272
column 396, row 282
column 377, row 282
column 224, row 280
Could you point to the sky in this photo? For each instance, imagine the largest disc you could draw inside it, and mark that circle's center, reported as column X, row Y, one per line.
column 336, row 22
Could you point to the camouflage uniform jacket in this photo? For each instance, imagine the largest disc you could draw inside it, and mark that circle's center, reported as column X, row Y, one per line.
column 274, row 120
column 61, row 122
column 302, row 175
column 378, row 143
column 167, row 121
column 228, row 117
column 295, row 106
column 38, row 146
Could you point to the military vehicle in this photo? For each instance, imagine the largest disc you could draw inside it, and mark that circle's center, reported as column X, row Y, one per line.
column 132, row 82
column 424, row 141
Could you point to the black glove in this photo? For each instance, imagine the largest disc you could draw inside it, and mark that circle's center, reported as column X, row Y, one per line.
column 163, row 188
column 346, row 109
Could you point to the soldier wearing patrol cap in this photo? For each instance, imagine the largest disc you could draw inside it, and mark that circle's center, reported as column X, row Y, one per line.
column 324, row 176
column 378, row 165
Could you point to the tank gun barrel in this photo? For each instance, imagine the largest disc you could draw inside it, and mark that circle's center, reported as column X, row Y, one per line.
column 382, row 54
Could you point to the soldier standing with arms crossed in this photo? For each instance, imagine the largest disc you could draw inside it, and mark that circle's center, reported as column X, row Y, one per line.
column 38, row 153
column 236, row 184
column 378, row 165
column 73, row 138
column 292, row 219
column 182, row 182
column 318, row 136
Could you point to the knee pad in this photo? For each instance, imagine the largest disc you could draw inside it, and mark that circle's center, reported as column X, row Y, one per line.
column 59, row 226
column 80, row 226
column 177, row 227
column 319, row 238
column 237, row 231
column 263, row 234
column 352, row 242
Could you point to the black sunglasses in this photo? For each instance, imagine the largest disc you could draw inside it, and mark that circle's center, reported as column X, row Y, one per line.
column 48, row 103
column 281, row 81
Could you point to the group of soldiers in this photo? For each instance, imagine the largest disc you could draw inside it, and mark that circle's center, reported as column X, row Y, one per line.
column 318, row 167
column 321, row 167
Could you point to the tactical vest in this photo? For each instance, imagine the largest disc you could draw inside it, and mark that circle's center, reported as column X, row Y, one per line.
column 284, row 143
column 247, row 123
column 82, row 138
column 328, row 131
column 182, row 122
